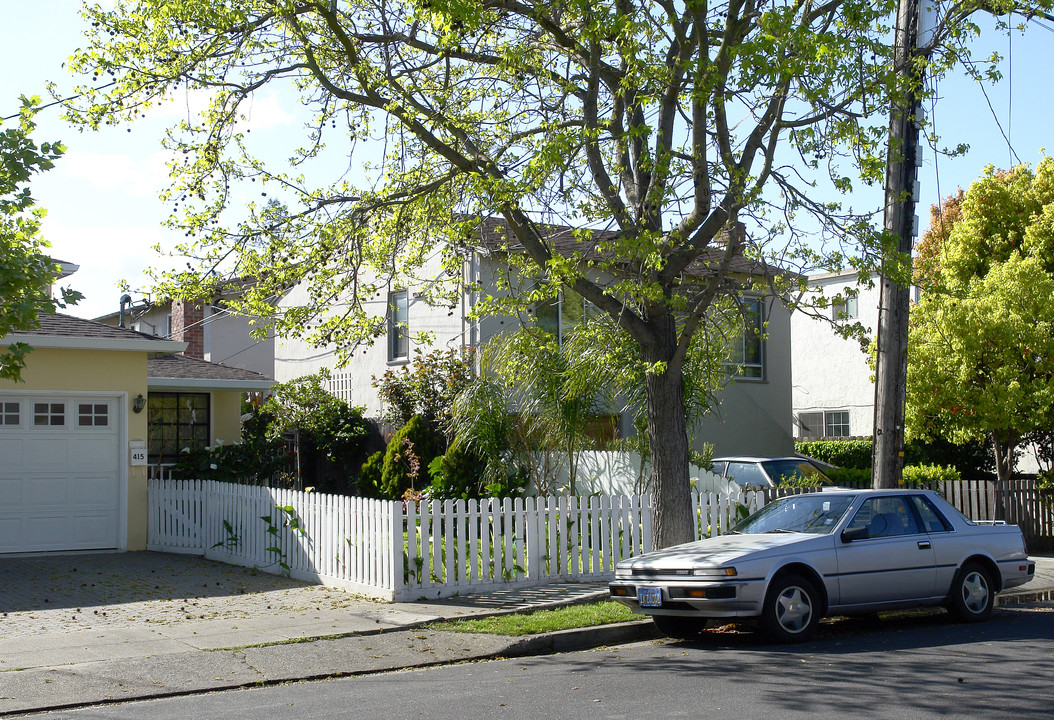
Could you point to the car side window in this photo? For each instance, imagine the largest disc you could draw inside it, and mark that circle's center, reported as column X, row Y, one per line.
column 931, row 519
column 885, row 516
column 746, row 473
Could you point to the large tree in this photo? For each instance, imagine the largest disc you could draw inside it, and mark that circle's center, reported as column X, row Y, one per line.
column 26, row 271
column 981, row 342
column 664, row 123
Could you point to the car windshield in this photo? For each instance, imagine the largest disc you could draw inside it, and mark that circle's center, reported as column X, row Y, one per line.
column 814, row 513
column 793, row 471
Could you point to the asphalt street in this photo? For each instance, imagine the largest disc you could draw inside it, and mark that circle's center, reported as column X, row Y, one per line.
column 916, row 666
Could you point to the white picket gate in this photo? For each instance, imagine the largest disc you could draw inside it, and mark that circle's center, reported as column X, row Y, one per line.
column 433, row 549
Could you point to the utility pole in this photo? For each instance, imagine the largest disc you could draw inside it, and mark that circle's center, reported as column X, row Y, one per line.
column 900, row 221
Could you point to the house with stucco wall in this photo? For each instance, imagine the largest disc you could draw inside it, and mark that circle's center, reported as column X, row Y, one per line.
column 754, row 417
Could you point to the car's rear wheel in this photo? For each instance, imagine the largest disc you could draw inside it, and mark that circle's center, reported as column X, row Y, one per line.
column 973, row 594
column 678, row 626
column 792, row 609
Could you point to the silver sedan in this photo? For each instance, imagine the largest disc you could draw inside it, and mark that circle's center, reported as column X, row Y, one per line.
column 845, row 552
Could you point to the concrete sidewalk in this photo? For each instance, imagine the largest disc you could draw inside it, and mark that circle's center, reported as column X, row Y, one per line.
column 84, row 629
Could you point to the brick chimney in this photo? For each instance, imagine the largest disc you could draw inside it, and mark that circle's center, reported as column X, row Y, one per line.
column 188, row 326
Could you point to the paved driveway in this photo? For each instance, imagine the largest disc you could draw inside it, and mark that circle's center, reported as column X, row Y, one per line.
column 68, row 593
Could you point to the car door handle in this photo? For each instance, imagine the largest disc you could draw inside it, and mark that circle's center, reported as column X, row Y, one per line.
column 924, row 545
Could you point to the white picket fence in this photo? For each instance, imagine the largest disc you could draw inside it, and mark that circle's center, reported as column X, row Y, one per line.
column 390, row 551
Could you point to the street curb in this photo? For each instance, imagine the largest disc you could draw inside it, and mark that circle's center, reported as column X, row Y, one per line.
column 1024, row 598
column 562, row 641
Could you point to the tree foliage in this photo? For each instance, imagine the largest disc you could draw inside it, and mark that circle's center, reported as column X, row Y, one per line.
column 981, row 348
column 26, row 271
column 665, row 124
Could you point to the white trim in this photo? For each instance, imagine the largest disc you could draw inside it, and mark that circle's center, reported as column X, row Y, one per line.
column 161, row 347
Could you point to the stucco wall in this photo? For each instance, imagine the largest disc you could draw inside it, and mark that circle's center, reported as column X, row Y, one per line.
column 228, row 341
column 114, row 372
column 830, row 372
column 226, row 417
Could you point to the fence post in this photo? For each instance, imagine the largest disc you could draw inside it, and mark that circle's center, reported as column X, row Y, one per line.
column 535, row 548
column 393, row 537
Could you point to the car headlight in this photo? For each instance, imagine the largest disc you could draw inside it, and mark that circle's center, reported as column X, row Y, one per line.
column 714, row 572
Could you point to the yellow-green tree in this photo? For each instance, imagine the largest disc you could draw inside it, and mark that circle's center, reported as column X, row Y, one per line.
column 981, row 344
column 26, row 272
column 667, row 124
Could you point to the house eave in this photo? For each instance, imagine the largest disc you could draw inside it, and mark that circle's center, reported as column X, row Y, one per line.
column 162, row 347
column 183, row 384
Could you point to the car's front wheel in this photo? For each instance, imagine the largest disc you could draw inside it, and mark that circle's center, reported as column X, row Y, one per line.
column 973, row 594
column 678, row 626
column 792, row 609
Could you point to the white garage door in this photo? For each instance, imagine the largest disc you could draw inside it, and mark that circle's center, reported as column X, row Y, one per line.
column 60, row 479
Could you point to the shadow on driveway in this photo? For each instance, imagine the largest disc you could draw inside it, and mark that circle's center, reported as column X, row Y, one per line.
column 66, row 581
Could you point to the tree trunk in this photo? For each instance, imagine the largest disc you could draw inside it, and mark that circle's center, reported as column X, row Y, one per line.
column 1004, row 453
column 668, row 436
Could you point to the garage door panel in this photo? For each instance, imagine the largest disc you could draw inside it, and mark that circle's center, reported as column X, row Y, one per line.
column 95, row 530
column 10, row 491
column 94, row 452
column 10, row 451
column 42, row 491
column 89, row 490
column 41, row 452
column 11, row 535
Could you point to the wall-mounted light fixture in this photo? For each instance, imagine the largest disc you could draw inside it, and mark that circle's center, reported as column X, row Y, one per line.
column 139, row 403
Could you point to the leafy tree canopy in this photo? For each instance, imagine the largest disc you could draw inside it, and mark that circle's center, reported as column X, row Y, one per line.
column 981, row 345
column 663, row 123
column 26, row 272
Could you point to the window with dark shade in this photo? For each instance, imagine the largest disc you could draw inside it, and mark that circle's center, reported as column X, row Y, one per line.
column 398, row 325
column 177, row 421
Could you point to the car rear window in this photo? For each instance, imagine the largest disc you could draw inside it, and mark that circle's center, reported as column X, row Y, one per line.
column 746, row 473
column 782, row 471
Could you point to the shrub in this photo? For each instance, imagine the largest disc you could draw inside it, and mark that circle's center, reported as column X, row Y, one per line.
column 971, row 459
column 370, row 475
column 928, row 475
column 849, row 477
column 457, row 474
column 843, row 453
column 407, row 457
column 426, row 387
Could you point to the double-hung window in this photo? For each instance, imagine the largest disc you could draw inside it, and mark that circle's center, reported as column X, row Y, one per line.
column 823, row 423
column 560, row 315
column 398, row 325
column 847, row 309
column 748, row 350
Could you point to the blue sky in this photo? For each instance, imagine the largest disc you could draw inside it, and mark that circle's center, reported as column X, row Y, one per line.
column 102, row 197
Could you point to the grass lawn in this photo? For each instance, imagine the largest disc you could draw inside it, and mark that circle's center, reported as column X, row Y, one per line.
column 604, row 612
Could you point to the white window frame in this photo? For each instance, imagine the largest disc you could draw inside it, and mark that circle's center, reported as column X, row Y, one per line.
column 398, row 327
column 756, row 334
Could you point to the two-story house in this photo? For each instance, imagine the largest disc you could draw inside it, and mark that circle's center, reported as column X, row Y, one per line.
column 754, row 416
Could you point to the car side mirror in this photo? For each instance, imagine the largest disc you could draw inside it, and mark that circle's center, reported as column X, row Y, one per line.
column 851, row 534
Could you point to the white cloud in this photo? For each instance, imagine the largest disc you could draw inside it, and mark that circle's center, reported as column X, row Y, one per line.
column 138, row 176
column 106, row 255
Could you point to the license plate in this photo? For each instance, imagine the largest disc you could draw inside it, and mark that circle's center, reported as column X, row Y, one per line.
column 649, row 597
